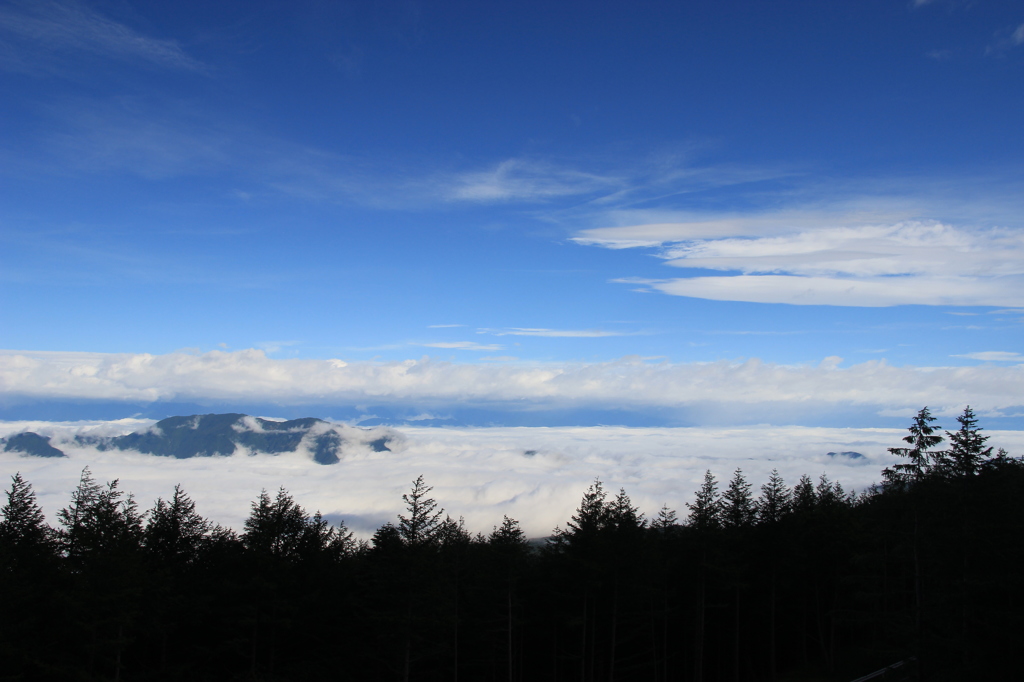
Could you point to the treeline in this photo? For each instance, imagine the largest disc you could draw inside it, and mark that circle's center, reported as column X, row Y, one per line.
column 807, row 582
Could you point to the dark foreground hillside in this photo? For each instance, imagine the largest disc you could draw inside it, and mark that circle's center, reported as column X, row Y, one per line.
column 787, row 583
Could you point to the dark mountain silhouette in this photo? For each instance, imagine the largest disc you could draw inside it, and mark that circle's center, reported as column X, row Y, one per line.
column 30, row 443
column 208, row 435
column 849, row 454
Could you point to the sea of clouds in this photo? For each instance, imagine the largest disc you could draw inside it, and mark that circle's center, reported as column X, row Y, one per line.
column 534, row 474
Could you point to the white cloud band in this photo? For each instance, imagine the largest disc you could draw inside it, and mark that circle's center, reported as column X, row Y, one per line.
column 249, row 375
column 906, row 263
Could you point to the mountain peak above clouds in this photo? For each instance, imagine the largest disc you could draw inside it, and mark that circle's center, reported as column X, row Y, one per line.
column 32, row 444
column 208, row 435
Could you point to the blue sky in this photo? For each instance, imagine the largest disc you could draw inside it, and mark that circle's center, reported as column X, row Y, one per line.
column 647, row 197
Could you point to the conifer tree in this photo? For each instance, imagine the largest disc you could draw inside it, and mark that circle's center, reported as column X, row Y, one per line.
column 507, row 535
column 175, row 532
column 828, row 494
column 387, row 538
column 804, row 497
column 24, row 534
column 452, row 533
column 623, row 516
column 666, row 518
column 320, row 539
column 589, row 520
column 737, row 503
column 275, row 527
column 72, row 518
column 967, row 452
column 706, row 508
column 424, row 520
column 775, row 500
column 98, row 523
column 922, row 438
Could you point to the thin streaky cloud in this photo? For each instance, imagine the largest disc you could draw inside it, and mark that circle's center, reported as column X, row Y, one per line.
column 567, row 333
column 46, row 27
column 525, row 180
column 463, row 345
column 993, row 356
column 872, row 265
column 878, row 292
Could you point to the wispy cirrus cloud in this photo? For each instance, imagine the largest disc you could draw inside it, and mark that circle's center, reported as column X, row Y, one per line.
column 554, row 333
column 462, row 345
column 993, row 356
column 41, row 34
column 908, row 262
column 521, row 179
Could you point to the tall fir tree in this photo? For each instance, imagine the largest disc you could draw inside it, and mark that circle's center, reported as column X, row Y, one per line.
column 967, row 452
column 24, row 535
column 775, row 501
column 804, row 497
column 706, row 508
column 275, row 527
column 175, row 532
column 423, row 523
column 589, row 520
column 737, row 503
column 919, row 458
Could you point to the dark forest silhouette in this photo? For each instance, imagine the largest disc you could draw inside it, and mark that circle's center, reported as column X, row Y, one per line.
column 807, row 582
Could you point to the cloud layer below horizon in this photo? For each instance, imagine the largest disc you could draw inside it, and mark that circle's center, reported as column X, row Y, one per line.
column 536, row 475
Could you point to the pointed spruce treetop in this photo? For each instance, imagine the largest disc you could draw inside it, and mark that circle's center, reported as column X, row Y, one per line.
column 23, row 527
column 804, row 497
column 175, row 531
column 507, row 535
column 922, row 438
column 666, row 518
column 967, row 451
column 737, row 503
column 776, row 499
column 275, row 527
column 623, row 516
column 706, row 508
column 423, row 523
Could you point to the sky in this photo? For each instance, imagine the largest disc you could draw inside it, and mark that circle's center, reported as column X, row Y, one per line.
column 518, row 214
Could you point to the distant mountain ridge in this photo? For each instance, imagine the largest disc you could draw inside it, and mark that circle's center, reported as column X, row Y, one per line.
column 209, row 435
column 30, row 443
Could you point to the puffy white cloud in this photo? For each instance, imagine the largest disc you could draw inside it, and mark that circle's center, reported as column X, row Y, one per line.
column 908, row 262
column 630, row 382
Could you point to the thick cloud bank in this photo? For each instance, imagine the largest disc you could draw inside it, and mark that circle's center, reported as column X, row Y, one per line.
column 536, row 475
column 629, row 383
